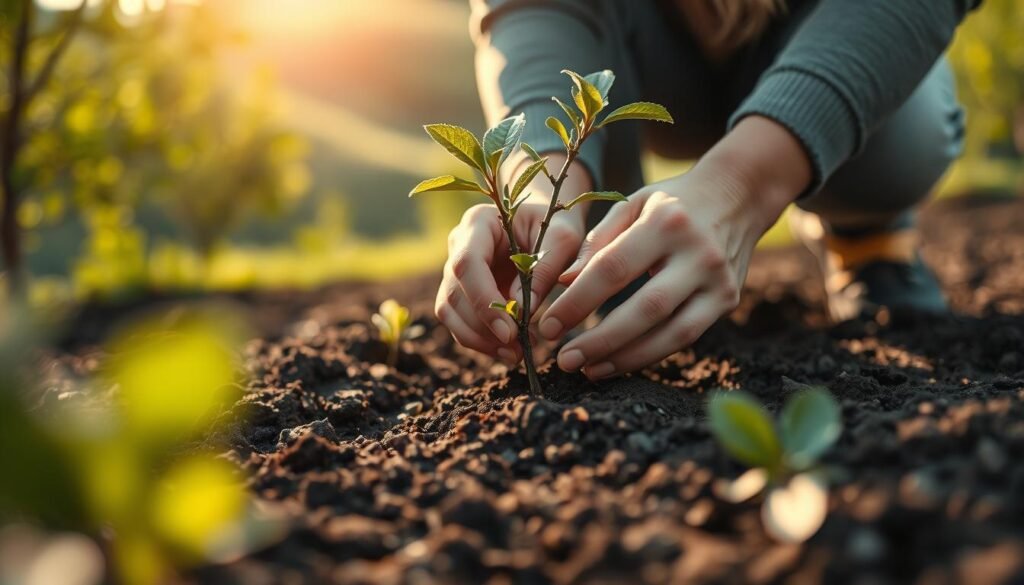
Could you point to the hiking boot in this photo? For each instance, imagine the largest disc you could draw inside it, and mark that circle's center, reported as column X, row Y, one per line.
column 864, row 272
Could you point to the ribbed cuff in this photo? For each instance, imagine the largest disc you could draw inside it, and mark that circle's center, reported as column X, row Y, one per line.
column 814, row 111
column 544, row 141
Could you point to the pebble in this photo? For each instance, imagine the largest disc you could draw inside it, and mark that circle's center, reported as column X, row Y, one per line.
column 865, row 546
column 991, row 455
column 641, row 442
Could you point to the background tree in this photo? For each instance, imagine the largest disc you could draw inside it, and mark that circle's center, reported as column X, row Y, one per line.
column 144, row 134
column 23, row 85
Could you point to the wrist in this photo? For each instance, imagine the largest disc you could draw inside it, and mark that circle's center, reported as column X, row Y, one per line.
column 769, row 164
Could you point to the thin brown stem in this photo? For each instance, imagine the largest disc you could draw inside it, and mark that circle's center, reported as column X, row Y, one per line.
column 553, row 205
column 526, row 280
column 523, row 322
column 74, row 20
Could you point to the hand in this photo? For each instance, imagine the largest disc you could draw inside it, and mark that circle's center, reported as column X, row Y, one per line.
column 479, row 272
column 694, row 234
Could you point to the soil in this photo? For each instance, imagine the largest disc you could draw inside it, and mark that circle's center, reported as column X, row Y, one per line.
column 445, row 470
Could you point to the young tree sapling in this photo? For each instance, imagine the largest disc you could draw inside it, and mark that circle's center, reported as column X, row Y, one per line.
column 783, row 457
column 590, row 97
column 394, row 324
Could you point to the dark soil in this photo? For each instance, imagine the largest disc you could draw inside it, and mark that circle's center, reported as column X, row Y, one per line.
column 446, row 471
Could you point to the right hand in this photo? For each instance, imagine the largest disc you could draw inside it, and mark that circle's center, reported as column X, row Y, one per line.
column 479, row 272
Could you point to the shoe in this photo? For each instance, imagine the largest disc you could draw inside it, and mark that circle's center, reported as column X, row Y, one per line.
column 866, row 272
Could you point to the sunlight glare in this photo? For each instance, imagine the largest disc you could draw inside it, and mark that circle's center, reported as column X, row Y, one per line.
column 127, row 7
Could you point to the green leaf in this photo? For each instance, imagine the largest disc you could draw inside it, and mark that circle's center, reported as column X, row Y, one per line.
column 446, row 183
column 810, row 423
column 524, row 262
column 494, row 159
column 559, row 128
column 524, row 179
column 639, row 111
column 569, row 111
column 744, row 429
column 391, row 319
column 746, row 486
column 530, row 151
column 459, row 142
column 504, row 138
column 596, row 196
column 515, row 206
column 511, row 307
column 603, row 81
column 588, row 98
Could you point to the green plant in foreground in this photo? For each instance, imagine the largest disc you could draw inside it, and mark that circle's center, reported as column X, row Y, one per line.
column 393, row 322
column 120, row 459
column 783, row 456
column 590, row 97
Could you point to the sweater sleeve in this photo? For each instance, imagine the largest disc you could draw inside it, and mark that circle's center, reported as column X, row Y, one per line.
column 521, row 48
column 848, row 67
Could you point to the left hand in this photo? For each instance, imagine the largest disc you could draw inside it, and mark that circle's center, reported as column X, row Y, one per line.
column 695, row 235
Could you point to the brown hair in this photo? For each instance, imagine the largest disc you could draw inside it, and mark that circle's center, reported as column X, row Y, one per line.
column 722, row 26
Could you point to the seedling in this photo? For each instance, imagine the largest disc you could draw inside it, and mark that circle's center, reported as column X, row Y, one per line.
column 590, row 97
column 783, row 456
column 393, row 323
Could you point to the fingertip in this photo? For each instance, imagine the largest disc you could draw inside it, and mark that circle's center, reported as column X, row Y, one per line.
column 502, row 330
column 508, row 356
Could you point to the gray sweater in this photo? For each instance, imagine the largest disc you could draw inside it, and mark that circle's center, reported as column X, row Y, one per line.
column 849, row 65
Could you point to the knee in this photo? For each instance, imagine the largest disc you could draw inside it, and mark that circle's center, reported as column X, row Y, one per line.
column 905, row 157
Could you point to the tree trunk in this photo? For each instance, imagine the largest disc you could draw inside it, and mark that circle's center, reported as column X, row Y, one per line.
column 10, row 237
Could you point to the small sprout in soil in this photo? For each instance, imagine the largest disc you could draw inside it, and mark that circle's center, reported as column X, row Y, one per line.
column 590, row 98
column 393, row 322
column 783, row 456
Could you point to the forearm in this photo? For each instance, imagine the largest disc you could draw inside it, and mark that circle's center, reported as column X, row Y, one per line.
column 848, row 67
column 521, row 48
column 762, row 163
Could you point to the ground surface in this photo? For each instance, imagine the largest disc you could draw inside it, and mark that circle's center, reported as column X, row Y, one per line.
column 446, row 471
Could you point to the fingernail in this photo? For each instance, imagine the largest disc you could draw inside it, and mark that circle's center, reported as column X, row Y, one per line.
column 502, row 331
column 550, row 327
column 601, row 370
column 508, row 356
column 571, row 360
column 575, row 266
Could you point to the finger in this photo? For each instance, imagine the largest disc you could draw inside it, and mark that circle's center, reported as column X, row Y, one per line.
column 617, row 220
column 631, row 254
column 470, row 264
column 464, row 327
column 699, row 313
column 648, row 308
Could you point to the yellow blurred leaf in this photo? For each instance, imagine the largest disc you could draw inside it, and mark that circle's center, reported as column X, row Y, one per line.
column 30, row 213
column 81, row 118
column 139, row 560
column 170, row 378
column 109, row 171
column 112, row 477
column 197, row 504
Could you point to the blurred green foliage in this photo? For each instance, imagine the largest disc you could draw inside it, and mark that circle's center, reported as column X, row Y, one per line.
column 114, row 456
column 138, row 114
column 988, row 57
column 165, row 155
